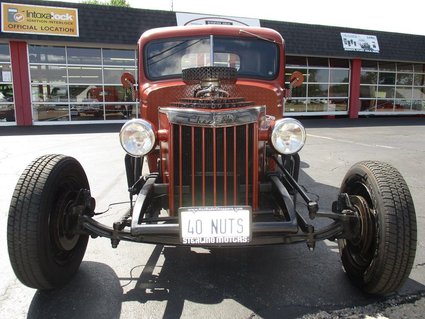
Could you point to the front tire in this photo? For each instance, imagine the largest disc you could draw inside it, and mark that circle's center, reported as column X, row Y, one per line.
column 379, row 259
column 44, row 249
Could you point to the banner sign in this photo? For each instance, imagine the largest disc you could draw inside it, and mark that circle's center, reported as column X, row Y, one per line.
column 360, row 42
column 30, row 19
column 199, row 19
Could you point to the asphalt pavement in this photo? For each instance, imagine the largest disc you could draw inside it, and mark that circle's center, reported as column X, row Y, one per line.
column 155, row 281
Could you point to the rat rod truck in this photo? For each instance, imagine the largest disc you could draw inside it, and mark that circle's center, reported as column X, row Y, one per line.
column 223, row 168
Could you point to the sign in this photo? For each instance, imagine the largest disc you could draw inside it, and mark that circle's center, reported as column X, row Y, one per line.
column 184, row 19
column 360, row 42
column 215, row 225
column 30, row 19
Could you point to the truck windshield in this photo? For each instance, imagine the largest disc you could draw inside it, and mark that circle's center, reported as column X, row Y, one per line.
column 252, row 57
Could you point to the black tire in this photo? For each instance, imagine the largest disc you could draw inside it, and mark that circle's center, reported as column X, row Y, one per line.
column 43, row 249
column 379, row 259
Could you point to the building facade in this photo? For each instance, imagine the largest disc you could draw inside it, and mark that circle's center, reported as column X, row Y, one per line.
column 69, row 70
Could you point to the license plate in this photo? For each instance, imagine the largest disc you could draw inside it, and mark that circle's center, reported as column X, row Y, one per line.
column 215, row 225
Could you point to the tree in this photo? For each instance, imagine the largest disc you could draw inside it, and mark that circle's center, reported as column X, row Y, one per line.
column 115, row 3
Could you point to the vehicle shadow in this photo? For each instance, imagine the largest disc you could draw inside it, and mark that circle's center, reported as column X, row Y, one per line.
column 95, row 292
column 272, row 282
column 269, row 282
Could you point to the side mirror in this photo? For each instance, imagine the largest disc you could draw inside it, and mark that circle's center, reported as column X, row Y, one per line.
column 128, row 81
column 296, row 80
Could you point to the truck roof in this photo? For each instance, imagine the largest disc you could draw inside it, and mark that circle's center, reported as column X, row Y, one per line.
column 204, row 30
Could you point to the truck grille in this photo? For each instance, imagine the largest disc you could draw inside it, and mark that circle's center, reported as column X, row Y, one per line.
column 213, row 166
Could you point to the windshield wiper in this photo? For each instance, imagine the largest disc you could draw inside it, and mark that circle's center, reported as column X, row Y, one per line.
column 258, row 36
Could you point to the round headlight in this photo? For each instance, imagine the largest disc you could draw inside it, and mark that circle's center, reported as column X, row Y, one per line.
column 288, row 136
column 137, row 137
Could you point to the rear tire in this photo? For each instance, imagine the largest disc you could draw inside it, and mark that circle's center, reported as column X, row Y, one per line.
column 44, row 249
column 380, row 259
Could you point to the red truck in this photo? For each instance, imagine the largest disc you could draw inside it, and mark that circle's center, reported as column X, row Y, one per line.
column 223, row 167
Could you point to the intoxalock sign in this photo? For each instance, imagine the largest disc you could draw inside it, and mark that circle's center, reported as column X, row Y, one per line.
column 20, row 18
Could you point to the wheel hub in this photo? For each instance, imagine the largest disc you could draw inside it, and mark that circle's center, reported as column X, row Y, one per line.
column 65, row 223
column 362, row 243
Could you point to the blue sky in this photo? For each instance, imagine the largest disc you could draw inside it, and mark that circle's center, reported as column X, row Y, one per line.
column 396, row 16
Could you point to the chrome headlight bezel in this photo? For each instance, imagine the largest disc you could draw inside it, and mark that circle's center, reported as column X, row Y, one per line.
column 288, row 136
column 137, row 137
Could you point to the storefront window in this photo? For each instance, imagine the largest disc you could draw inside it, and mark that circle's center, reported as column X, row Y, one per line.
column 404, row 79
column 81, row 84
column 318, row 75
column 7, row 106
column 338, row 90
column 369, row 77
column 387, row 66
column 339, row 76
column 369, row 65
column 46, row 54
column 405, row 67
column 386, row 78
column 48, row 73
column 83, row 74
column 49, row 93
column 84, row 56
column 296, row 61
column 391, row 87
column 113, row 75
column 118, row 57
column 419, row 79
column 325, row 88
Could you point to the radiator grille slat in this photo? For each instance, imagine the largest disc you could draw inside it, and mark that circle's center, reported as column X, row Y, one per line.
column 213, row 166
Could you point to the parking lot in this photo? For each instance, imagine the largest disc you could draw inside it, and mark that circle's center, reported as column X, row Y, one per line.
column 154, row 281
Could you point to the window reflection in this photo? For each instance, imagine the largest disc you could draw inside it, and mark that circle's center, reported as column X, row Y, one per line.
column 387, row 66
column 46, row 54
column 405, row 67
column 83, row 56
column 51, row 112
column 118, row 57
column 368, row 91
column 404, row 79
column 326, row 85
column 81, row 74
column 4, row 52
column 5, row 73
column 403, row 93
column 339, row 76
column 82, row 85
column 319, row 75
column 113, row 75
column 418, row 105
column 398, row 87
column 367, row 77
column 387, row 78
column 339, row 90
column 419, row 80
column 318, row 90
column 7, row 106
column 49, row 93
column 48, row 73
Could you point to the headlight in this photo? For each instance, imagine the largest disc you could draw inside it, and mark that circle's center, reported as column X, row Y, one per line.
column 288, row 136
column 137, row 137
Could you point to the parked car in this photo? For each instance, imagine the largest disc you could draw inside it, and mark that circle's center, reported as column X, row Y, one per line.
column 223, row 170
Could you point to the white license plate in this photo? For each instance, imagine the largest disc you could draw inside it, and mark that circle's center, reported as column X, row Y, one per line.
column 215, row 225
